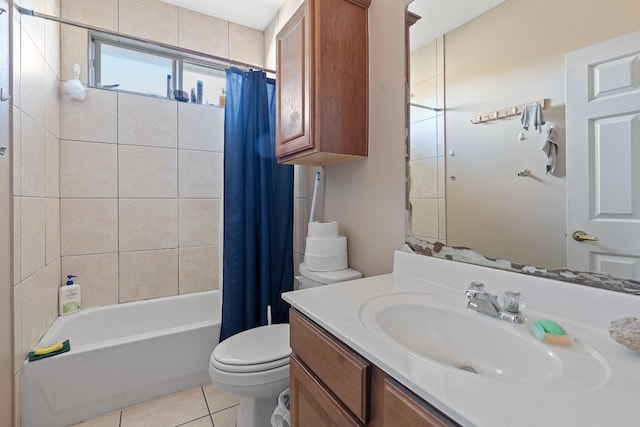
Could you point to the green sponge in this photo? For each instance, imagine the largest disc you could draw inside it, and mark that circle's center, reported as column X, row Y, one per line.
column 550, row 327
column 66, row 346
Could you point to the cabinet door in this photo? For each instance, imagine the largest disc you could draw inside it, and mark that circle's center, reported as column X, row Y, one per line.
column 294, row 83
column 402, row 409
column 312, row 405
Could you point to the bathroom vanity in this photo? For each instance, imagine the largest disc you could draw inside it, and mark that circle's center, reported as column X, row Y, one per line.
column 333, row 385
column 403, row 349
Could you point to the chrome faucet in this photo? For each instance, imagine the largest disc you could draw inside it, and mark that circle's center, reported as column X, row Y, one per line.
column 508, row 307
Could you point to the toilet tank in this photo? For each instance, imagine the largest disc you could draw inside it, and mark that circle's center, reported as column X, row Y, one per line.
column 310, row 279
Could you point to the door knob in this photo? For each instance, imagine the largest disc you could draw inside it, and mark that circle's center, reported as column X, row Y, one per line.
column 581, row 236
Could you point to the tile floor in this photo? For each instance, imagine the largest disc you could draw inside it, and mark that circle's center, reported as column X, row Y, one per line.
column 204, row 406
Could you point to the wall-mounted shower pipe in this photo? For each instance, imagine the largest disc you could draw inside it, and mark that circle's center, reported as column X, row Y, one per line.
column 425, row 107
column 29, row 12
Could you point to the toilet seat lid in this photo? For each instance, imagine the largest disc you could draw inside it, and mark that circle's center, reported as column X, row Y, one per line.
column 255, row 346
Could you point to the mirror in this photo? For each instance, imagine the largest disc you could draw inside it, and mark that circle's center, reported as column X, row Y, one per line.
column 484, row 186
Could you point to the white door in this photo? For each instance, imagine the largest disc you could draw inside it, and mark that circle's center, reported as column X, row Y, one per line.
column 603, row 157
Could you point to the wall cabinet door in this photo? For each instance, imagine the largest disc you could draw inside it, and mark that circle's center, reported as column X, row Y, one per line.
column 322, row 81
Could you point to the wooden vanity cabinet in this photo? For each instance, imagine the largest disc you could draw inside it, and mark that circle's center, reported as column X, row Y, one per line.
column 332, row 385
column 322, row 83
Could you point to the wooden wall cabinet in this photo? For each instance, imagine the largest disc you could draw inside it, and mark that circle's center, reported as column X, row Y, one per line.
column 332, row 385
column 322, row 83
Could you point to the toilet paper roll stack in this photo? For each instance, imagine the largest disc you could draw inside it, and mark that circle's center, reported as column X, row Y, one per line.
column 325, row 249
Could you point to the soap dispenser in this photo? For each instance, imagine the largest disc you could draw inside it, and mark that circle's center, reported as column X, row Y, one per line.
column 69, row 298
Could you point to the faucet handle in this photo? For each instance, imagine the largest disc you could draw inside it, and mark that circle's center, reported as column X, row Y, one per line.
column 511, row 301
column 474, row 289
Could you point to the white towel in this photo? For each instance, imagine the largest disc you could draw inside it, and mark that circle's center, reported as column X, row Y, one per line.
column 532, row 117
column 550, row 148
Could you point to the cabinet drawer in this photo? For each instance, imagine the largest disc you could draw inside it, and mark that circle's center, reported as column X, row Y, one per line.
column 402, row 408
column 311, row 404
column 342, row 371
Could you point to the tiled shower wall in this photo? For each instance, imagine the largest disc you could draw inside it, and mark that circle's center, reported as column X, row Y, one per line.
column 36, row 203
column 427, row 143
column 122, row 190
column 140, row 190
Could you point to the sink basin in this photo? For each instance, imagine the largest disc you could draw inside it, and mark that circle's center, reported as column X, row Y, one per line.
column 444, row 332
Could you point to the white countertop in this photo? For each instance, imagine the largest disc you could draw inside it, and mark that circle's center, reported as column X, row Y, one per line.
column 608, row 394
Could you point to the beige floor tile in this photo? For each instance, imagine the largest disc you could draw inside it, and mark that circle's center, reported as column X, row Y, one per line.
column 226, row 418
column 109, row 420
column 167, row 411
column 219, row 399
column 200, row 422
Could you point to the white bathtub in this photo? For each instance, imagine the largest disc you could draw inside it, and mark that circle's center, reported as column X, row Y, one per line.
column 121, row 355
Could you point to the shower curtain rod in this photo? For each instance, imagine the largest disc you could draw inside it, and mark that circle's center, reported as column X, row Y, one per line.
column 425, row 107
column 29, row 12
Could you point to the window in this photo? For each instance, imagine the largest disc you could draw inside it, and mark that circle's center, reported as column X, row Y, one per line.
column 135, row 66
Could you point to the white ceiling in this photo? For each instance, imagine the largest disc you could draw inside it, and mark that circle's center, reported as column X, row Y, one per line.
column 250, row 13
column 438, row 16
column 441, row 16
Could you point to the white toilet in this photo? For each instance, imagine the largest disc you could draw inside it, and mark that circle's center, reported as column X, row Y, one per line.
column 254, row 364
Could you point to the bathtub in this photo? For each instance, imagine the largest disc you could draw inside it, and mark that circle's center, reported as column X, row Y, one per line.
column 121, row 355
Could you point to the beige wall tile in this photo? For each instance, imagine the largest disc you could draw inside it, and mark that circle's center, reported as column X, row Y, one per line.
column 143, row 120
column 441, row 177
column 200, row 174
column 98, row 13
column 32, row 79
column 17, row 398
column 34, row 27
column 424, row 139
column 34, row 316
column 203, row 33
column 442, row 220
column 52, row 224
column 52, row 40
column 148, row 274
column 32, row 158
column 52, row 165
column 17, row 328
column 97, row 277
column 16, row 153
column 88, row 226
column 149, row 19
column 94, row 119
column 424, row 93
column 32, row 238
column 246, row 44
column 424, row 63
column 49, row 291
column 200, row 127
column 425, row 218
column 424, row 178
column 52, row 102
column 17, row 55
column 198, row 269
column 147, row 171
column 148, row 224
column 73, row 50
column 88, row 169
column 17, row 232
column 270, row 43
column 199, row 219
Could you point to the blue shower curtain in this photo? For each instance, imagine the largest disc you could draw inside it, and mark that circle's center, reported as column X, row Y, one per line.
column 258, row 207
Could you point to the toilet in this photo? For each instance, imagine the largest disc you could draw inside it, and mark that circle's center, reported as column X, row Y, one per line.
column 254, row 364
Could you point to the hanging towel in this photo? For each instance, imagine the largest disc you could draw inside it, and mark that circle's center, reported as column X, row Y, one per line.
column 550, row 148
column 532, row 117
